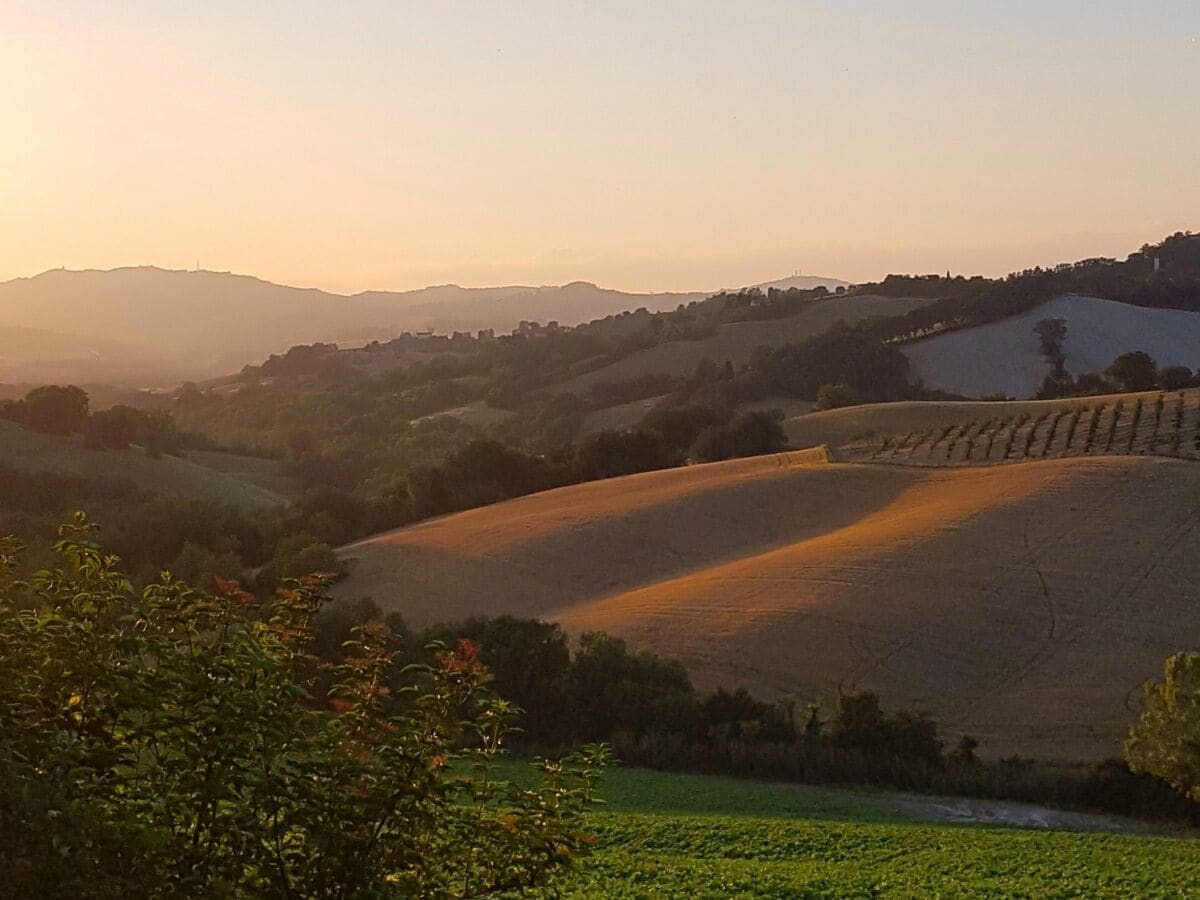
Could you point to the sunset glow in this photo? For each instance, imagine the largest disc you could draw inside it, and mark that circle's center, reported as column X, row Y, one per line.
column 683, row 146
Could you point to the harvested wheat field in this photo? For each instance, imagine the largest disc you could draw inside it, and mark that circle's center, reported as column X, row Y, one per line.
column 1021, row 604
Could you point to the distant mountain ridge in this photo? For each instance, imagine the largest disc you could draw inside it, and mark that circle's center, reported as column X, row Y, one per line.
column 149, row 326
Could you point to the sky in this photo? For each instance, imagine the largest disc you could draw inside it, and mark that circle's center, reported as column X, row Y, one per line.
column 642, row 146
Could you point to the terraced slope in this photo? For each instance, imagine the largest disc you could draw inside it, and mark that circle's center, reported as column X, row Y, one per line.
column 1021, row 604
column 940, row 434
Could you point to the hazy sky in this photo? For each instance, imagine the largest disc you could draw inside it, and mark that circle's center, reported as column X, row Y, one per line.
column 640, row 145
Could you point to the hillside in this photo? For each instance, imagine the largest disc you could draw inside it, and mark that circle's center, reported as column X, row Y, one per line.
column 36, row 355
column 1004, row 357
column 1022, row 605
column 973, row 433
column 225, row 478
column 737, row 341
column 448, row 308
column 124, row 325
column 628, row 415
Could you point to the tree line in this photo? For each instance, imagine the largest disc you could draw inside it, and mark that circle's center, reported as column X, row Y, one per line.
column 595, row 688
column 63, row 410
column 200, row 539
column 1130, row 372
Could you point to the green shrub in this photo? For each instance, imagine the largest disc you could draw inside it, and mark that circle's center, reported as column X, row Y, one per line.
column 1174, row 378
column 1165, row 742
column 165, row 743
column 836, row 396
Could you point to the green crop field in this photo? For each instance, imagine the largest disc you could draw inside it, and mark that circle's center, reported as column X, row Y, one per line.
column 684, row 836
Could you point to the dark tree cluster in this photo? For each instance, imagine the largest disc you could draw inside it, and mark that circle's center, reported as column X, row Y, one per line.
column 63, row 410
column 1129, row 373
column 485, row 472
column 598, row 689
column 1051, row 335
column 50, row 409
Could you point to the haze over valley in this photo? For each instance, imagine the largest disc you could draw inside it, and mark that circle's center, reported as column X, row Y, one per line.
column 131, row 332
column 410, row 487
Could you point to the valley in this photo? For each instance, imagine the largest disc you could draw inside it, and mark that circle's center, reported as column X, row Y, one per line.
column 418, row 483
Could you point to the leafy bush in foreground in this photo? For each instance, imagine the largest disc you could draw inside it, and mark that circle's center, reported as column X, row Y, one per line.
column 165, row 743
column 1166, row 739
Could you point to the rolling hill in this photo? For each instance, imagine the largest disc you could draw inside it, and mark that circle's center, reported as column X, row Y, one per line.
column 245, row 482
column 627, row 415
column 1004, row 357
column 37, row 355
column 1021, row 604
column 737, row 341
column 972, row 433
column 151, row 326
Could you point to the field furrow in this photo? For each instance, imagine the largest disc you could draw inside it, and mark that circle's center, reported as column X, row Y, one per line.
column 916, row 580
column 1157, row 423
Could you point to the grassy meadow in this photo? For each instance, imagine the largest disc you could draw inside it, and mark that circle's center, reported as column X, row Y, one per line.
column 247, row 483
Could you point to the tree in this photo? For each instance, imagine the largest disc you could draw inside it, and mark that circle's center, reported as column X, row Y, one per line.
column 875, row 370
column 859, row 720
column 1174, row 378
column 678, row 427
column 166, row 743
column 487, row 471
column 528, row 661
column 836, row 396
column 739, row 715
column 55, row 409
column 1090, row 384
column 860, row 724
column 706, row 371
column 297, row 555
column 1165, row 742
column 156, row 433
column 611, row 690
column 1052, row 333
column 1133, row 371
column 113, row 429
column 429, row 491
column 14, row 411
column 757, row 432
column 964, row 751
column 608, row 454
column 335, row 623
column 750, row 434
column 1056, row 387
